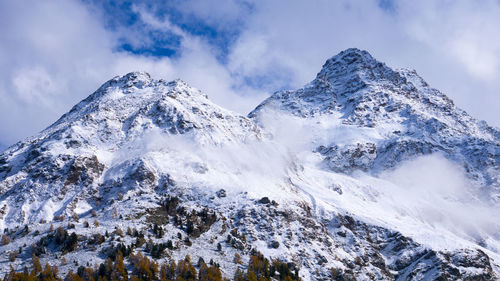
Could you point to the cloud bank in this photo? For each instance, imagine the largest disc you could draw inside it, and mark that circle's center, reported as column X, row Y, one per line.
column 438, row 193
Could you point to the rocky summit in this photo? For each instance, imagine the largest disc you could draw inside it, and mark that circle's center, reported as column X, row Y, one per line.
column 365, row 173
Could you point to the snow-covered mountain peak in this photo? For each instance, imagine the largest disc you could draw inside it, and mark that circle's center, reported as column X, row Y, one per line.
column 137, row 78
column 352, row 56
column 139, row 84
column 353, row 62
column 365, row 92
column 128, row 113
column 386, row 116
column 135, row 102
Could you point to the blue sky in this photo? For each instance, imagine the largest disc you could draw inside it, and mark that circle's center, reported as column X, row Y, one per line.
column 56, row 52
column 118, row 15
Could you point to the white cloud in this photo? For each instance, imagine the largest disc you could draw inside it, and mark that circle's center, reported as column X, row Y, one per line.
column 465, row 30
column 53, row 52
column 157, row 24
column 34, row 85
column 437, row 192
column 222, row 14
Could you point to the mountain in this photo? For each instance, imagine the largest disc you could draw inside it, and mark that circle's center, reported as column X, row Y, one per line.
column 105, row 140
column 365, row 173
column 407, row 116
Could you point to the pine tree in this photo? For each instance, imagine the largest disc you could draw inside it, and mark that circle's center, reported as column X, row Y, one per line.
column 37, row 266
column 171, row 270
column 163, row 273
column 72, row 277
column 239, row 275
column 49, row 273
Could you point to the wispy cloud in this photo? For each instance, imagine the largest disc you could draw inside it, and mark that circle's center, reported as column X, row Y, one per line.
column 462, row 30
column 437, row 192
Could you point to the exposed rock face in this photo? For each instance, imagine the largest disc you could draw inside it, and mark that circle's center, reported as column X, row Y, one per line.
column 360, row 156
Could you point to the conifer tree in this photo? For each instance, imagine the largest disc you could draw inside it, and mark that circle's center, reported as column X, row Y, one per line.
column 37, row 266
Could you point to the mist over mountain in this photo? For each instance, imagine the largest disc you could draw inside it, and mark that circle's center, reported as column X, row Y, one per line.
column 367, row 172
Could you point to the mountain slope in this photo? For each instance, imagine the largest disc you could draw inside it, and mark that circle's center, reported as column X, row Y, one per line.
column 321, row 179
column 403, row 156
column 134, row 147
